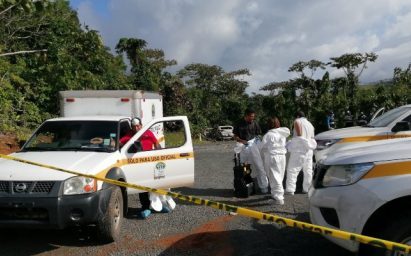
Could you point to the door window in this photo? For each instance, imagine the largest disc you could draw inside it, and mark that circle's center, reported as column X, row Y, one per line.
column 169, row 134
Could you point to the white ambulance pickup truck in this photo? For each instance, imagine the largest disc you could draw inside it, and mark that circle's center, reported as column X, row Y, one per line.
column 365, row 189
column 32, row 196
column 392, row 124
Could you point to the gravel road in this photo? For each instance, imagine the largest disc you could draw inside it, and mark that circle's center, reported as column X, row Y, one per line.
column 190, row 229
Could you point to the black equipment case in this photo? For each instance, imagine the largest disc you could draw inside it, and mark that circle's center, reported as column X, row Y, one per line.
column 243, row 182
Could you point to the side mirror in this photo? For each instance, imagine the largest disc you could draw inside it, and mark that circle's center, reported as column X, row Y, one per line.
column 401, row 126
column 135, row 147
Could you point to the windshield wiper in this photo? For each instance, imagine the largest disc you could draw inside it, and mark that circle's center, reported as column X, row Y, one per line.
column 69, row 149
column 96, row 149
column 39, row 149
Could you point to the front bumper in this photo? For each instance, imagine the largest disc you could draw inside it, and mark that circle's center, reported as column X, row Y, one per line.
column 347, row 208
column 52, row 211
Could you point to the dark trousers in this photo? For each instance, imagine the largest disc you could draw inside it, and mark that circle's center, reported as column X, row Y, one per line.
column 144, row 200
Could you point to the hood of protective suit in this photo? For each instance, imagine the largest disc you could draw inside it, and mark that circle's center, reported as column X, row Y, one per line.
column 283, row 131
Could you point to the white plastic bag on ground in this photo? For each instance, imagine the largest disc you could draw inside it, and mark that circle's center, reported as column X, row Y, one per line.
column 168, row 201
column 155, row 202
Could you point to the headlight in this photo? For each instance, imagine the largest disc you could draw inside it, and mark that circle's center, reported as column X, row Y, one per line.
column 323, row 144
column 340, row 175
column 79, row 185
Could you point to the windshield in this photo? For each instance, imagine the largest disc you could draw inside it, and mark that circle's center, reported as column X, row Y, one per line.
column 74, row 136
column 389, row 117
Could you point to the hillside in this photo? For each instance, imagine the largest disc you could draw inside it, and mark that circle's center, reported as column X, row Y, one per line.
column 8, row 144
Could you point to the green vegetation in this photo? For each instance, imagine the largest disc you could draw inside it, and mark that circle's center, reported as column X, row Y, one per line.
column 44, row 50
column 174, row 139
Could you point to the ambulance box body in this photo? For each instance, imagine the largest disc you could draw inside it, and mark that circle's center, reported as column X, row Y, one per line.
column 132, row 103
column 392, row 124
column 365, row 190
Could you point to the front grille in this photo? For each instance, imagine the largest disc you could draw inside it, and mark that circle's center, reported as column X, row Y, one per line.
column 26, row 187
column 43, row 187
column 4, row 186
column 319, row 173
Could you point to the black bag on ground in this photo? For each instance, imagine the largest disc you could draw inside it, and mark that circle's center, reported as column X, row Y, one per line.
column 243, row 182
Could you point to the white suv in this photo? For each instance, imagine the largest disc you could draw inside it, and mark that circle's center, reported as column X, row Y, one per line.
column 392, row 124
column 365, row 190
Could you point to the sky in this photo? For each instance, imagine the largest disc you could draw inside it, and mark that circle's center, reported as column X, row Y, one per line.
column 264, row 36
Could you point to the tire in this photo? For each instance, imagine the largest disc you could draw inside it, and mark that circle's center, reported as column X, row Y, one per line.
column 399, row 231
column 109, row 226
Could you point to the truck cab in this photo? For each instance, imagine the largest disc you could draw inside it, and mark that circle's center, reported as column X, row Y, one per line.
column 392, row 124
column 365, row 190
column 33, row 196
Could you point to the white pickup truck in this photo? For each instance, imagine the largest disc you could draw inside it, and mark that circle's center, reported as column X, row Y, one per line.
column 365, row 189
column 32, row 196
column 392, row 124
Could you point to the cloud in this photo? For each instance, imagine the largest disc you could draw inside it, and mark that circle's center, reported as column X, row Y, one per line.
column 265, row 36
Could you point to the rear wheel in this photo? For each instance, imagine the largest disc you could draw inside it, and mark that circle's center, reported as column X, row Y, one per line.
column 109, row 226
column 399, row 231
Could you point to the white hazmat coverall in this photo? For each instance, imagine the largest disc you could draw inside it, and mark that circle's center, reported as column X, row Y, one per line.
column 301, row 156
column 273, row 151
column 251, row 154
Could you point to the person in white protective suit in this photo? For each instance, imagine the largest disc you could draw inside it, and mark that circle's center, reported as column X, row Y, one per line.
column 301, row 148
column 246, row 133
column 273, row 151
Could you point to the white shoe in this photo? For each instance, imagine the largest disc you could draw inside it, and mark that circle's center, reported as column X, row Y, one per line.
column 289, row 193
column 277, row 202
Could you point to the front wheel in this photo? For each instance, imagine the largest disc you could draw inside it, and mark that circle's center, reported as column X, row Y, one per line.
column 399, row 231
column 109, row 226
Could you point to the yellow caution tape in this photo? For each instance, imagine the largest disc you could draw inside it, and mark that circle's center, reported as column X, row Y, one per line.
column 243, row 211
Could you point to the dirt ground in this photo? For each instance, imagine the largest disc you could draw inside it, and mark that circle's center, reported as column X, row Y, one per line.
column 8, row 143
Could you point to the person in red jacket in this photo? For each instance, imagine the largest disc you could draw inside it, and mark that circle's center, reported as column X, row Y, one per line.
column 148, row 142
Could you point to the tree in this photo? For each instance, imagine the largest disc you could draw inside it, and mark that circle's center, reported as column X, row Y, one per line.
column 18, row 23
column 402, row 77
column 147, row 65
column 349, row 63
column 217, row 97
column 75, row 58
column 312, row 65
column 175, row 98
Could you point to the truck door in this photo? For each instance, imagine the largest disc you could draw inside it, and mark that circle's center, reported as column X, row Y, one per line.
column 170, row 166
